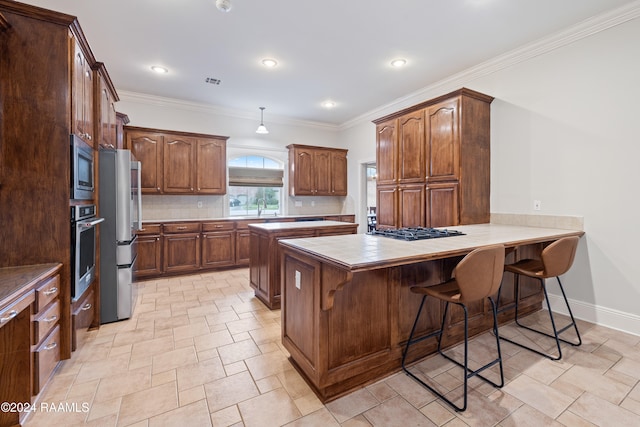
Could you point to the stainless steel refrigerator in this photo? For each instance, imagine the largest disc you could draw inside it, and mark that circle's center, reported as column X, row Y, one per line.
column 121, row 207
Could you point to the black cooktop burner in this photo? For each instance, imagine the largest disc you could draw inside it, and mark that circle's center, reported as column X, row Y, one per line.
column 416, row 233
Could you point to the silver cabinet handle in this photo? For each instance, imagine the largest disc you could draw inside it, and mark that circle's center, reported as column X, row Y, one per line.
column 50, row 319
column 51, row 291
column 12, row 314
column 50, row 346
column 86, row 307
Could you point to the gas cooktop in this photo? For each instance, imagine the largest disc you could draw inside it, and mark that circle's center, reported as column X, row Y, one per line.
column 416, row 233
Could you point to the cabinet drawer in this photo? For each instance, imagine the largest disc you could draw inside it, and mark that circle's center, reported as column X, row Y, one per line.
column 81, row 320
column 45, row 321
column 46, row 357
column 148, row 229
column 184, row 227
column 218, row 226
column 46, row 292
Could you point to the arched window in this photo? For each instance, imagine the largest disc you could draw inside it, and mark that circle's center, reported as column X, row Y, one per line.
column 255, row 186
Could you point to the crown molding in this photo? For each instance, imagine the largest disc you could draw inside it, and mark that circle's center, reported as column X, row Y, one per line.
column 143, row 98
column 524, row 53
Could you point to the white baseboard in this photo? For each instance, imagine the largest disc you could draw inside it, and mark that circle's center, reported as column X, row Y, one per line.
column 614, row 319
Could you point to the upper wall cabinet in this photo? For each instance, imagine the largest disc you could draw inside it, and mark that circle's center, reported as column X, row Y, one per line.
column 179, row 162
column 106, row 127
column 317, row 171
column 434, row 158
column 82, row 94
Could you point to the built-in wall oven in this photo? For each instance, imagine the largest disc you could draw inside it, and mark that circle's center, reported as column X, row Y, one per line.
column 83, row 247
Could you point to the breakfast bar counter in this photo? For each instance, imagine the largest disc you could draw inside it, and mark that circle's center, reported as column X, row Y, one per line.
column 347, row 310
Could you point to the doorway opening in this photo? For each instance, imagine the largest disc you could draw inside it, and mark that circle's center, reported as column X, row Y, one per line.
column 371, row 174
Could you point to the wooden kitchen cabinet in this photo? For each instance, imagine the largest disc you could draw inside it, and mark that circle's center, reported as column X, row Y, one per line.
column 211, row 166
column 82, row 94
column 387, row 152
column 147, row 148
column 411, row 198
column 149, row 260
column 181, row 244
column 179, row 162
column 317, row 171
column 218, row 244
column 82, row 316
column 442, row 145
column 106, row 110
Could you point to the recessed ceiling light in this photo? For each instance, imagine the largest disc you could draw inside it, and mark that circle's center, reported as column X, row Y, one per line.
column 328, row 104
column 160, row 70
column 397, row 63
column 269, row 63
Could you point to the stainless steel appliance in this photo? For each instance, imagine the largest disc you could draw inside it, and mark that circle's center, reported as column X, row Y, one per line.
column 82, row 185
column 121, row 206
column 416, row 233
column 83, row 248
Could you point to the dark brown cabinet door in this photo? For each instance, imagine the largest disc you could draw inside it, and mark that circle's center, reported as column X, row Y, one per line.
column 386, row 152
column 148, row 149
column 149, row 260
column 302, row 171
column 242, row 247
column 218, row 249
column 181, row 252
column 322, row 173
column 179, row 164
column 211, row 162
column 411, row 148
column 387, row 207
column 442, row 205
column 411, row 205
column 107, row 116
column 338, row 174
column 443, row 142
column 82, row 96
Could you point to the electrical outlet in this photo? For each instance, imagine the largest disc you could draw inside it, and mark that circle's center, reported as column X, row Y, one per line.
column 313, row 203
column 537, row 205
column 199, row 204
column 298, row 204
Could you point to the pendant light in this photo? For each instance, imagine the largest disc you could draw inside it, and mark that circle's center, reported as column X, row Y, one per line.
column 262, row 129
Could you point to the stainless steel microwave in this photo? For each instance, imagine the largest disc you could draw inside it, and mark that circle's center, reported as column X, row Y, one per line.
column 82, row 176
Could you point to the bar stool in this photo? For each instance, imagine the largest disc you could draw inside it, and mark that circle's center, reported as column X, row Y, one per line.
column 556, row 259
column 476, row 277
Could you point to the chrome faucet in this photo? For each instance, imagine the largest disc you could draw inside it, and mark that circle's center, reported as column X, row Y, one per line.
column 263, row 207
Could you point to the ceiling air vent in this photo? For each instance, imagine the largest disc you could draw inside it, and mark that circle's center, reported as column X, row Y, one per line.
column 213, row 81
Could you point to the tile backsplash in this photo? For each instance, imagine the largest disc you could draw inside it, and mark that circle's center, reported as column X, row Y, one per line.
column 548, row 221
column 162, row 207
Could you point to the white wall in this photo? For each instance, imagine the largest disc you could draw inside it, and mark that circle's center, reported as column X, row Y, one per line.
column 564, row 130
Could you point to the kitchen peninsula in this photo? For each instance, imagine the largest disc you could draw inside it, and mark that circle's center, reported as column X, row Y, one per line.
column 346, row 306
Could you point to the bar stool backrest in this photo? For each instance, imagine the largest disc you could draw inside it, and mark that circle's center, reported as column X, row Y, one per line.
column 558, row 256
column 479, row 273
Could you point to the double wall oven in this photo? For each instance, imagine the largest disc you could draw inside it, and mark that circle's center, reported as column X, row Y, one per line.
column 84, row 224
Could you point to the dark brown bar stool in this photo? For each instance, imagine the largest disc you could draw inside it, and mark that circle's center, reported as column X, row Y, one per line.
column 476, row 277
column 557, row 259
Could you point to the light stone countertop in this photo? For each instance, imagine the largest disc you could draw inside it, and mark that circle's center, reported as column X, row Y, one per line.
column 281, row 226
column 362, row 251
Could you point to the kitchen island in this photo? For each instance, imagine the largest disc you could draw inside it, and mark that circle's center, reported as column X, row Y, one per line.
column 264, row 253
column 347, row 310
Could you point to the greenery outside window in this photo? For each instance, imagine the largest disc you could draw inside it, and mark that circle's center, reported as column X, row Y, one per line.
column 255, row 182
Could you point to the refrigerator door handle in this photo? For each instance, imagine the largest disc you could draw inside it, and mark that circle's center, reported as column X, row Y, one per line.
column 139, row 197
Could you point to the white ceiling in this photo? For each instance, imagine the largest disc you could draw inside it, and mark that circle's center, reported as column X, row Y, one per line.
column 329, row 49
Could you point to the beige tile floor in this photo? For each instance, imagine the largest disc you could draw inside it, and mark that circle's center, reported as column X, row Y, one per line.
column 201, row 350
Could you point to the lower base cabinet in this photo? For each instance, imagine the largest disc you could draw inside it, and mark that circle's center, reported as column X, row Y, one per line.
column 149, row 260
column 82, row 315
column 187, row 247
column 30, row 329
